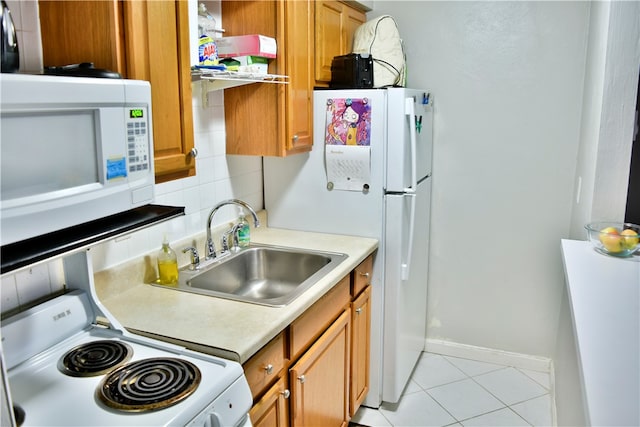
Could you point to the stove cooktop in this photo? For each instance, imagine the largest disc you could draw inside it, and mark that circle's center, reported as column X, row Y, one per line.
column 131, row 380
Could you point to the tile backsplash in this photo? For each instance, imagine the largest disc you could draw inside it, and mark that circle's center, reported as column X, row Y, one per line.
column 26, row 286
column 25, row 19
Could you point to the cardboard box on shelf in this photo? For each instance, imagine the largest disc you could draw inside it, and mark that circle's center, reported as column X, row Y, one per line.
column 250, row 45
column 247, row 64
column 254, row 64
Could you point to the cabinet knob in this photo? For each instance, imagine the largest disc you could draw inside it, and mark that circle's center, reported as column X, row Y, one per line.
column 286, row 393
column 358, row 310
column 269, row 369
column 302, row 379
column 193, row 153
column 294, row 139
column 363, row 274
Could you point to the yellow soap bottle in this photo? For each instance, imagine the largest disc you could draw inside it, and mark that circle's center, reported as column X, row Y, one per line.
column 167, row 264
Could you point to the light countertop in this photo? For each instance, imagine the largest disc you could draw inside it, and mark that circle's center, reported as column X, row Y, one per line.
column 604, row 295
column 226, row 328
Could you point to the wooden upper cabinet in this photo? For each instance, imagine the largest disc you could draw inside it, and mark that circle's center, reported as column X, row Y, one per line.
column 266, row 119
column 335, row 26
column 75, row 32
column 157, row 46
column 143, row 40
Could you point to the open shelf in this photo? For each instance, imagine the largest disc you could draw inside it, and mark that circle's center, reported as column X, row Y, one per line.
column 218, row 80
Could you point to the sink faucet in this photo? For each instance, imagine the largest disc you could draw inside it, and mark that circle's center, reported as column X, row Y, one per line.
column 210, row 247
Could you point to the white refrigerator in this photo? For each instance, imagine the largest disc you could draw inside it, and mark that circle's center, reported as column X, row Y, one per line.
column 369, row 174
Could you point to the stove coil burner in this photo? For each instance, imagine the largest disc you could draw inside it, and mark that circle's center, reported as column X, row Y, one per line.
column 149, row 384
column 95, row 358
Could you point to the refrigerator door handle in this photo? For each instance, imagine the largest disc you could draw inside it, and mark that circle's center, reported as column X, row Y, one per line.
column 412, row 220
column 410, row 110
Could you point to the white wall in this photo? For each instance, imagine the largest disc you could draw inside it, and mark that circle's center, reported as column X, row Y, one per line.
column 507, row 81
column 613, row 61
column 610, row 89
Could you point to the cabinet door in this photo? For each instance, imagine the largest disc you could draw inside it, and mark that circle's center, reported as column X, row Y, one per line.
column 265, row 366
column 266, row 119
column 362, row 276
column 319, row 380
column 335, row 25
column 272, row 410
column 360, row 349
column 143, row 40
column 157, row 44
column 328, row 38
column 352, row 19
column 82, row 31
column 297, row 18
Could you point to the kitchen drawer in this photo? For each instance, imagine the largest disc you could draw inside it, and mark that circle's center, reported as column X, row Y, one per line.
column 362, row 276
column 313, row 322
column 264, row 367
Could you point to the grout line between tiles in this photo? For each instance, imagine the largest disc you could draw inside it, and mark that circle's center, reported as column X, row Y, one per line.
column 533, row 379
column 472, row 377
column 496, row 410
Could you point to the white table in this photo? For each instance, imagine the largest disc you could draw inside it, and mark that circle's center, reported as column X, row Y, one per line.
column 604, row 296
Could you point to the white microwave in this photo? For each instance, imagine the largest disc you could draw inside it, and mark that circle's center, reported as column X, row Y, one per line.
column 72, row 150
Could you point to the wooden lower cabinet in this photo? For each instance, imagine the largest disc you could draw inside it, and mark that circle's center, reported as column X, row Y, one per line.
column 360, row 332
column 360, row 349
column 273, row 408
column 320, row 379
column 325, row 352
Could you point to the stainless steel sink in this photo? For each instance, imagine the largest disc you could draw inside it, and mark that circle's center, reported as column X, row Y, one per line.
column 266, row 275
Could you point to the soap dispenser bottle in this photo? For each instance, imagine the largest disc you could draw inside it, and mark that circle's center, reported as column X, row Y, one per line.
column 244, row 231
column 167, row 264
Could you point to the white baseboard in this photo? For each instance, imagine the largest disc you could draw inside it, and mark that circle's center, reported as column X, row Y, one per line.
column 489, row 355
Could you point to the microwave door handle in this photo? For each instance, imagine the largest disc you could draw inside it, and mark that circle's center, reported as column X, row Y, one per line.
column 412, row 220
column 410, row 110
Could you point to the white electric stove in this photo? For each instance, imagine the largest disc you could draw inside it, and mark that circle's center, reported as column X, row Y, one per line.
column 64, row 369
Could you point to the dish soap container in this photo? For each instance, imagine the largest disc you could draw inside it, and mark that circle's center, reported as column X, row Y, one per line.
column 167, row 264
column 207, row 48
column 244, row 231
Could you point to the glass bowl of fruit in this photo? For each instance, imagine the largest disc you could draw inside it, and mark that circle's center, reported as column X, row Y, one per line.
column 619, row 239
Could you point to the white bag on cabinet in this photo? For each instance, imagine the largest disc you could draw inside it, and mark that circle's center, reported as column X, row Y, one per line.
column 380, row 38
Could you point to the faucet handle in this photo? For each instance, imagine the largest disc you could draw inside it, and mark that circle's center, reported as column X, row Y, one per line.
column 226, row 236
column 210, row 249
column 195, row 258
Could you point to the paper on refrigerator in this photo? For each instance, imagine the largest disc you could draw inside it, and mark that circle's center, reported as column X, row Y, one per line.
column 347, row 144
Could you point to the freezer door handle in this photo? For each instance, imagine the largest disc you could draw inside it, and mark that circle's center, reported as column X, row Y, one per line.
column 410, row 110
column 412, row 220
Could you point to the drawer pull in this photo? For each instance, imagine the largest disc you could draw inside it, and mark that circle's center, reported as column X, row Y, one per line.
column 286, row 393
column 302, row 379
column 269, row 369
column 358, row 310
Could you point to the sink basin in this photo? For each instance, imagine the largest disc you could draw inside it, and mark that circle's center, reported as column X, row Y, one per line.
column 266, row 275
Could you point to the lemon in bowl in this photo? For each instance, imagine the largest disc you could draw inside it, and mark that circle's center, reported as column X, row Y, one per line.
column 621, row 239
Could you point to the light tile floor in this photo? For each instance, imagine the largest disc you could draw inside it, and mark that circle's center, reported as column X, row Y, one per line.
column 445, row 390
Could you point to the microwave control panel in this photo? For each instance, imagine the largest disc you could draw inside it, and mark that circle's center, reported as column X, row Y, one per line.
column 138, row 140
